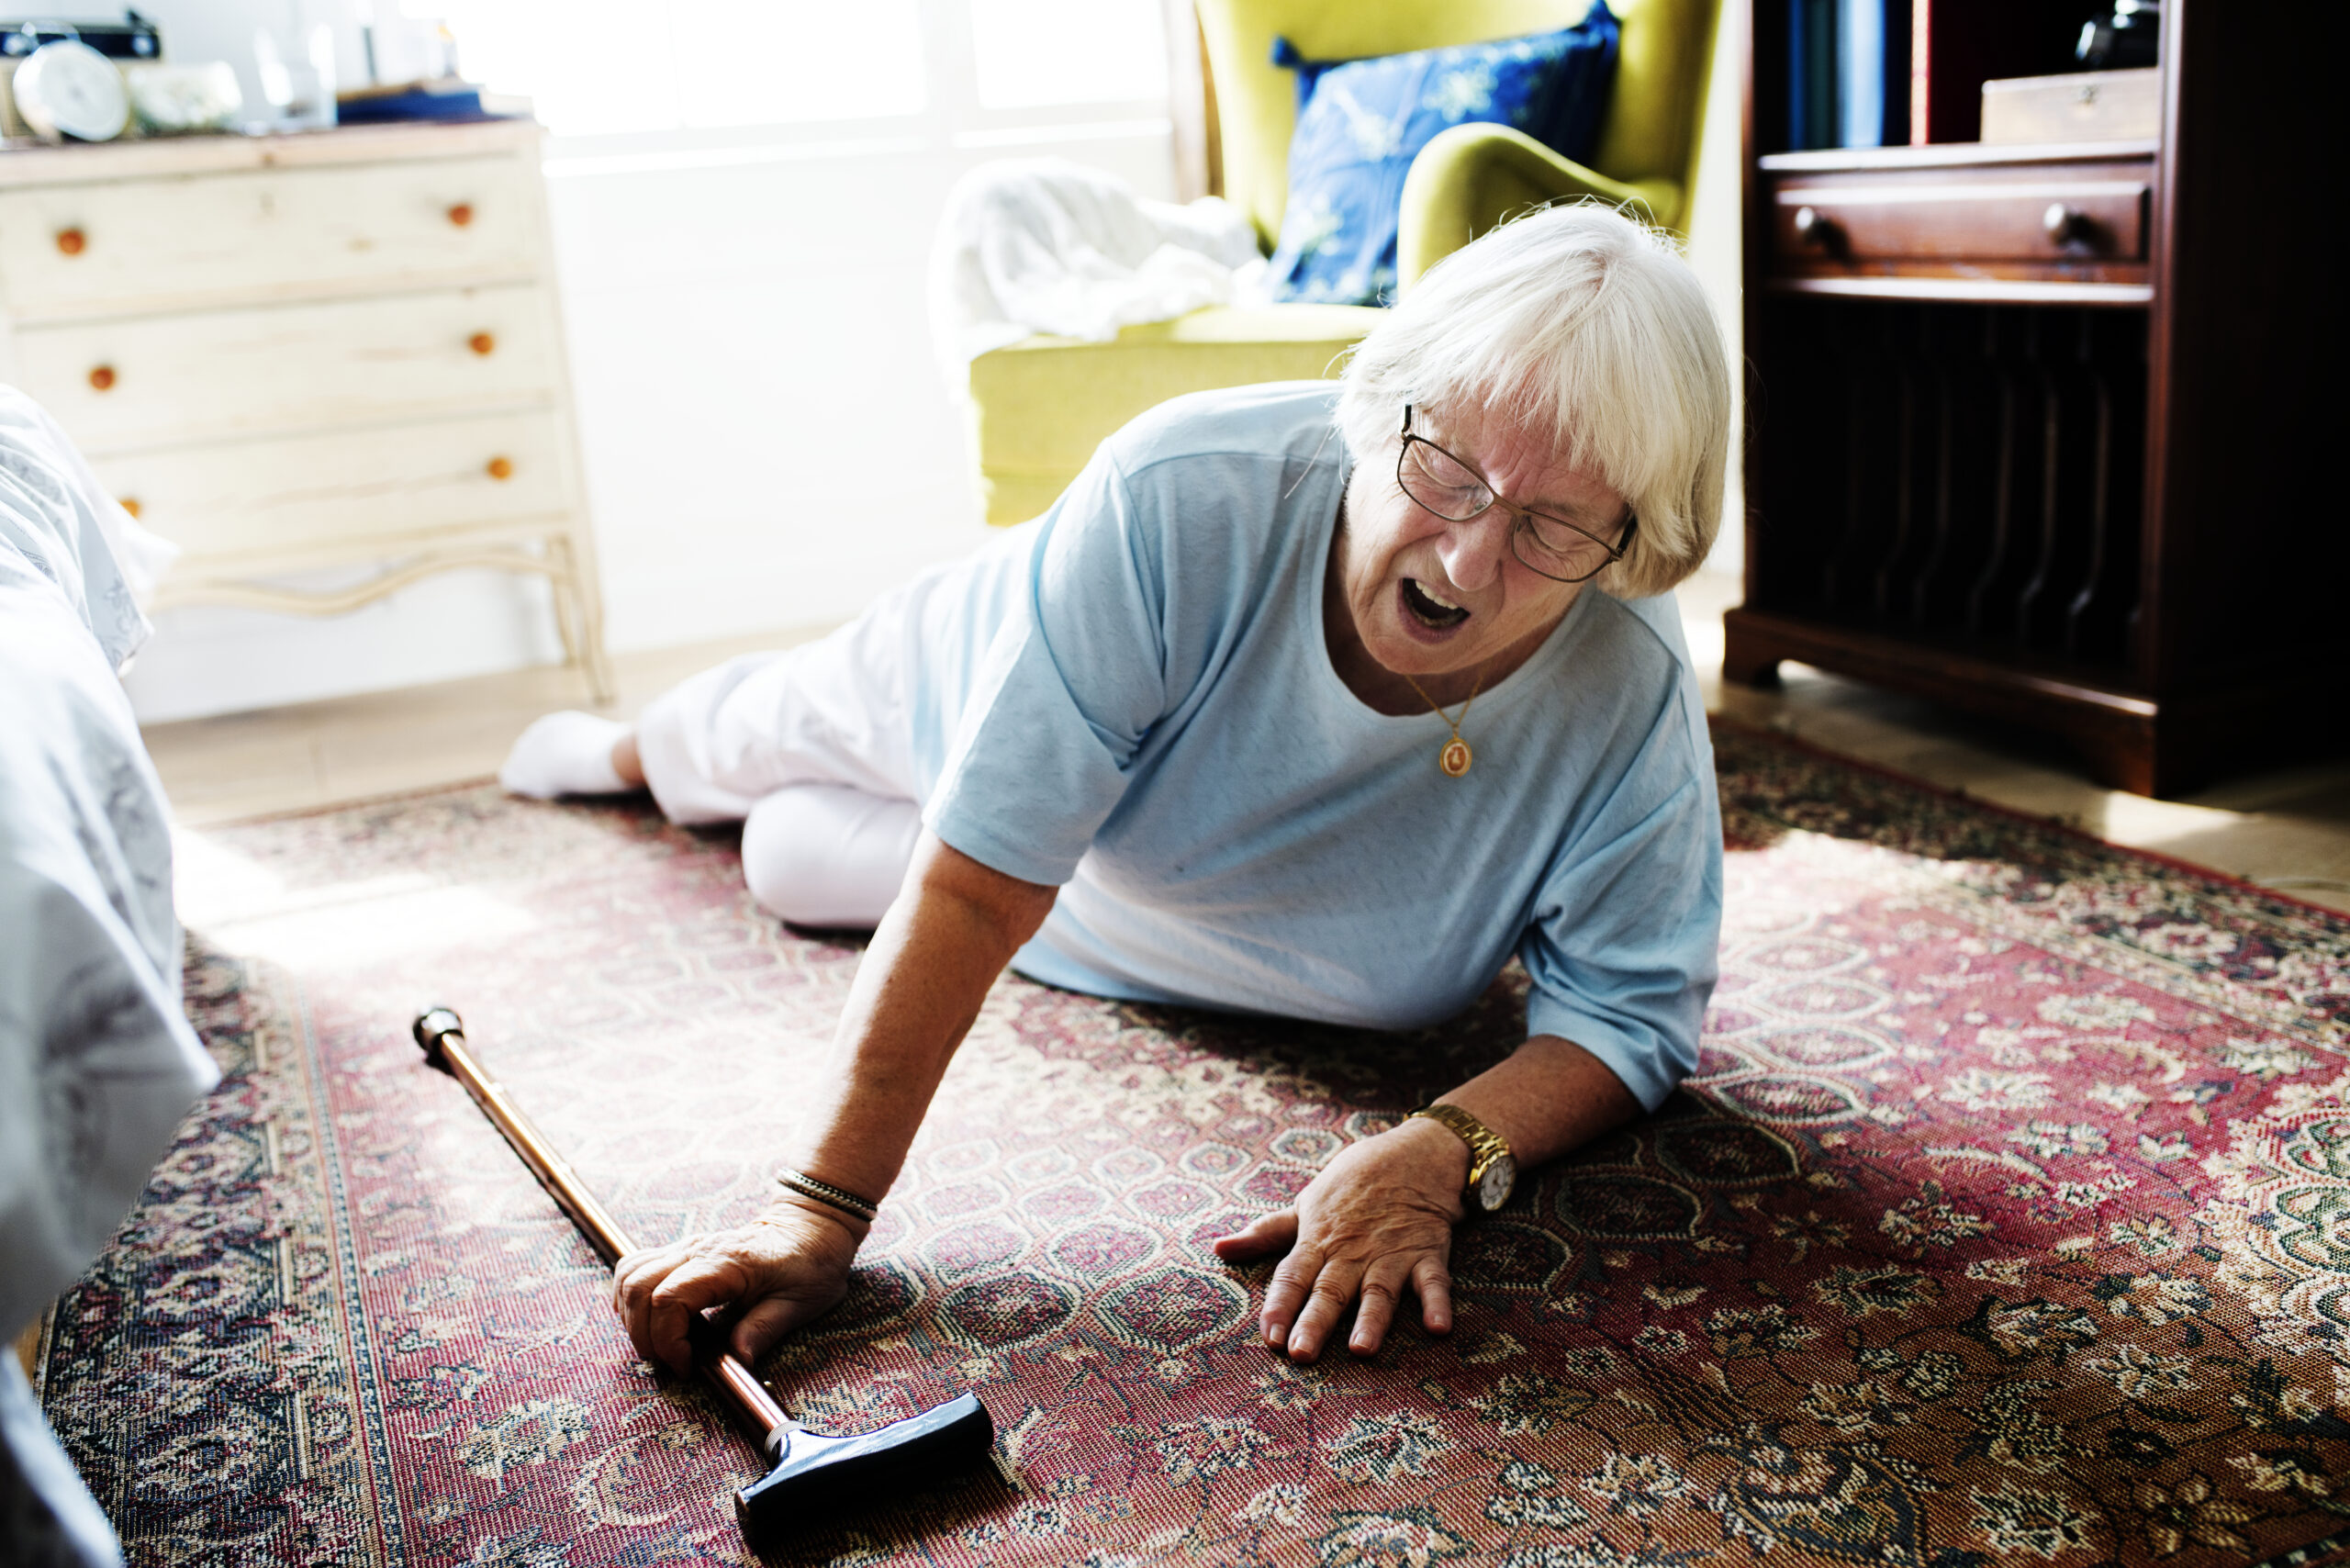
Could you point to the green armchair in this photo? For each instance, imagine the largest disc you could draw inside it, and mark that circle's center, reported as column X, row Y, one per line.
column 1039, row 407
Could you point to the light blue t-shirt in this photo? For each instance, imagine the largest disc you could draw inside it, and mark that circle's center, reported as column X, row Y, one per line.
column 1155, row 726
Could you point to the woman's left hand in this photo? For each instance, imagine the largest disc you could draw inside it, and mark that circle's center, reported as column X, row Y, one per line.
column 1379, row 1217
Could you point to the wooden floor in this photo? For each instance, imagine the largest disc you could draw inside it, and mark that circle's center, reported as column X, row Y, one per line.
column 2287, row 830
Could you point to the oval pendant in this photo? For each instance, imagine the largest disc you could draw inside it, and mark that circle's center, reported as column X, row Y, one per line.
column 1454, row 758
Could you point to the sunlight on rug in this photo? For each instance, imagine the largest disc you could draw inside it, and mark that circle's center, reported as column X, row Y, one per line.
column 2008, row 1218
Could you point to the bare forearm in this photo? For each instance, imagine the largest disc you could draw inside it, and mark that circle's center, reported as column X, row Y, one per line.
column 1550, row 1097
column 922, row 983
column 954, row 927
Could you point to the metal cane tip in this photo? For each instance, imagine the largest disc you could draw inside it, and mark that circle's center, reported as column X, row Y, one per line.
column 432, row 1024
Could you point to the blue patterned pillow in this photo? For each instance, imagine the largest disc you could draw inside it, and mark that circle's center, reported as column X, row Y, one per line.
column 1362, row 122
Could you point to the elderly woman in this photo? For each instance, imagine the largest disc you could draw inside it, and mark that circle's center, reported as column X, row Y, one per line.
column 1312, row 700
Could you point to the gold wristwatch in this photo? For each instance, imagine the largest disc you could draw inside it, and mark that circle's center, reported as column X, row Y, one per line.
column 1493, row 1169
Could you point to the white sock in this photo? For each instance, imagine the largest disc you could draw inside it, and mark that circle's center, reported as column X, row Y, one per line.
column 564, row 754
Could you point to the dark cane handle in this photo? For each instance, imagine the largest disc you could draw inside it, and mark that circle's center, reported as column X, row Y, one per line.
column 814, row 1475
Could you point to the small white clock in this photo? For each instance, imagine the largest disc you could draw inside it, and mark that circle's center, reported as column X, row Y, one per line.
column 70, row 89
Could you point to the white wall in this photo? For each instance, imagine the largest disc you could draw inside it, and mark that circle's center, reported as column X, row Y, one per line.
column 767, row 443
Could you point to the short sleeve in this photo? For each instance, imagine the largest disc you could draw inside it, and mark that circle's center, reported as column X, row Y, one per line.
column 1623, row 946
column 1072, row 686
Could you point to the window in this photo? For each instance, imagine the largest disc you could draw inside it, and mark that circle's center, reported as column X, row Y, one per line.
column 1035, row 54
column 594, row 67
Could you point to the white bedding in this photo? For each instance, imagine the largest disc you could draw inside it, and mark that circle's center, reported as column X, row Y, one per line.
column 98, row 1062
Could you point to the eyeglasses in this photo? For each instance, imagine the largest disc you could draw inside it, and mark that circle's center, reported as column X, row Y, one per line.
column 1548, row 546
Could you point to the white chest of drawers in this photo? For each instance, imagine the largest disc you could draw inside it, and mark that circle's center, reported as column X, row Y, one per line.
column 323, row 353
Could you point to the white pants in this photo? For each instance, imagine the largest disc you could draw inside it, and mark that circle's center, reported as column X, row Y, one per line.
column 829, row 853
column 810, row 750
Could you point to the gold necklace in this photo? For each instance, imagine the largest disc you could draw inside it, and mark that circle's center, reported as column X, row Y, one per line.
column 1455, row 757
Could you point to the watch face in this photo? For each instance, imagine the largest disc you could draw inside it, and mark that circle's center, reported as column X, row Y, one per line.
column 1493, row 1187
column 71, row 88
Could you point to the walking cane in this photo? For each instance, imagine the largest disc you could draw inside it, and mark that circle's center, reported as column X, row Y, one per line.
column 810, row 1474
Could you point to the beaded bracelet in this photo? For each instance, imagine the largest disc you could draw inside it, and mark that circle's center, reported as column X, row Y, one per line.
column 841, row 1198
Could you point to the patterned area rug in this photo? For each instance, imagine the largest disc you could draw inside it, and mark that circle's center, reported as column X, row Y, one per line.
column 2008, row 1219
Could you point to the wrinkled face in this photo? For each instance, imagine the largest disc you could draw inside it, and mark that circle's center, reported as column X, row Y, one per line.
column 1429, row 597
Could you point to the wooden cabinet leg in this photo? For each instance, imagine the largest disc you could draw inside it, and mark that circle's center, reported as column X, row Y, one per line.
column 578, row 618
column 1746, row 659
column 592, row 660
column 2118, row 762
column 565, row 581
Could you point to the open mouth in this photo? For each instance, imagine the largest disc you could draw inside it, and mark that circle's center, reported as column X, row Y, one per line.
column 1430, row 608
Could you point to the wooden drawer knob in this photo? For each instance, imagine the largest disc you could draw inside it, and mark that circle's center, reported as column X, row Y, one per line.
column 1812, row 229
column 130, row 504
column 482, row 344
column 103, row 378
column 501, row 468
column 2061, row 222
column 72, row 241
column 462, row 214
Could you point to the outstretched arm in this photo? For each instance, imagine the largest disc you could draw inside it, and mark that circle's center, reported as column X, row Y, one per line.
column 1380, row 1216
column 938, row 951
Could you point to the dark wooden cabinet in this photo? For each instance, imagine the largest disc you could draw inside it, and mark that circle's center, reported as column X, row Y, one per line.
column 2049, row 433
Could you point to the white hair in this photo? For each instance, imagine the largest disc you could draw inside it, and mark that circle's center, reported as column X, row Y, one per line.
column 1576, row 320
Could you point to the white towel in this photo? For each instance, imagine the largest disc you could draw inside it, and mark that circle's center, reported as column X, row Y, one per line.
column 1045, row 245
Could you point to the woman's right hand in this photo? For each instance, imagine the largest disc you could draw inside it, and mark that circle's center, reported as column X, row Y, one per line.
column 789, row 1267
column 925, row 978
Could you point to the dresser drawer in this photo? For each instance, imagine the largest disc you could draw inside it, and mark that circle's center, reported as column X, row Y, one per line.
column 2098, row 216
column 333, row 491
column 164, row 380
column 187, row 242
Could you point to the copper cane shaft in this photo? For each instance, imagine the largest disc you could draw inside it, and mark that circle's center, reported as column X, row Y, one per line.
column 751, row 1405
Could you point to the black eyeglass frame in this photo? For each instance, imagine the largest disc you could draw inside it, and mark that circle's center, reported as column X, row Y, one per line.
column 1523, row 520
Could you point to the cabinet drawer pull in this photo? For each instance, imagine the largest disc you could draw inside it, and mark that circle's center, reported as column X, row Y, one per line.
column 1813, row 229
column 102, row 377
column 500, row 468
column 72, row 241
column 482, row 344
column 128, row 504
column 2061, row 223
column 462, row 214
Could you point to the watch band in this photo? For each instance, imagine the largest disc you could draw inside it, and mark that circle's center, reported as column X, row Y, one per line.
column 1485, row 1145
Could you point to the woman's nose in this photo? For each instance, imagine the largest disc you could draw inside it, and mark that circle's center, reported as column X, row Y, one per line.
column 1473, row 552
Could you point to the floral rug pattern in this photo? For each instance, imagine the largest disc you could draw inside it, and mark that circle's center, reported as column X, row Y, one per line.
column 2008, row 1218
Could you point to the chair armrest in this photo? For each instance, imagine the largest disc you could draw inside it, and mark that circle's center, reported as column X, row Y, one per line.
column 1468, row 179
